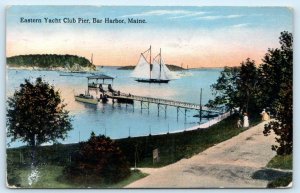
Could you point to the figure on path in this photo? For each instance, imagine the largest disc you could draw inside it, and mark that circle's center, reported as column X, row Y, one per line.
column 264, row 115
column 239, row 123
column 246, row 121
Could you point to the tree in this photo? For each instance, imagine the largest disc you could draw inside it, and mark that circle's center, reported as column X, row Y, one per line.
column 225, row 90
column 36, row 114
column 247, row 86
column 98, row 160
column 277, row 86
column 236, row 87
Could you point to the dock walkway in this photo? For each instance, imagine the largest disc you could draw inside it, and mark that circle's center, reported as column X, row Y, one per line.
column 159, row 101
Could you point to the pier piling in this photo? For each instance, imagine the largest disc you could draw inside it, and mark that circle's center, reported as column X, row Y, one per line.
column 161, row 103
column 200, row 112
column 158, row 109
column 166, row 111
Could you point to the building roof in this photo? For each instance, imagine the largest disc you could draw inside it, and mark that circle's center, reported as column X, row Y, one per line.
column 100, row 76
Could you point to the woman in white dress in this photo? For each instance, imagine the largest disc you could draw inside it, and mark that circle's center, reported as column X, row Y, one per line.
column 246, row 121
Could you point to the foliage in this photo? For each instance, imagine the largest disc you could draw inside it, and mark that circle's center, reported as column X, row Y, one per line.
column 281, row 162
column 36, row 114
column 51, row 177
column 225, row 90
column 247, row 87
column 236, row 87
column 270, row 85
column 13, row 178
column 99, row 159
column 281, row 182
column 277, row 71
column 48, row 60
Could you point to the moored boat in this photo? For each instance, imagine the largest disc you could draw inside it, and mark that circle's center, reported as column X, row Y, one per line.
column 86, row 98
column 152, row 80
column 151, row 71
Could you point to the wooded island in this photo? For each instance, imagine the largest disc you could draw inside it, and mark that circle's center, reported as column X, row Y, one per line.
column 48, row 61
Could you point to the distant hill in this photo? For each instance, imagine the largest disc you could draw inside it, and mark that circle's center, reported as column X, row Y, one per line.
column 48, row 61
column 170, row 66
column 126, row 68
column 174, row 67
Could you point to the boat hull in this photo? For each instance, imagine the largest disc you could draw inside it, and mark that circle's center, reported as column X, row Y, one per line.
column 152, row 81
column 86, row 100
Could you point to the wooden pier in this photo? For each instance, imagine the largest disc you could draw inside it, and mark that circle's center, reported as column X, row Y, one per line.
column 179, row 104
column 162, row 104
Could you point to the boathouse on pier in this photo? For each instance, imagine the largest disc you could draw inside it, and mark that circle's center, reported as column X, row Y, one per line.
column 95, row 80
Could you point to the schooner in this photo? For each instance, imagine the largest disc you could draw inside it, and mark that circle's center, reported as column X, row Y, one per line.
column 155, row 72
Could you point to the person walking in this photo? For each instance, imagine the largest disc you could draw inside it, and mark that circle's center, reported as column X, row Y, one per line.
column 246, row 121
column 264, row 115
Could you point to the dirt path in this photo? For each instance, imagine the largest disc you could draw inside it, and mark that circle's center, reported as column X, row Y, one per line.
column 238, row 162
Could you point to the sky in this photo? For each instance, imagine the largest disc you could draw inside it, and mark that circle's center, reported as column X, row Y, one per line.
column 188, row 36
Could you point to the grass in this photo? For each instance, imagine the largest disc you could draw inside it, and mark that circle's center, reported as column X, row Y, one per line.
column 172, row 147
column 50, row 177
column 135, row 175
column 281, row 162
column 281, row 182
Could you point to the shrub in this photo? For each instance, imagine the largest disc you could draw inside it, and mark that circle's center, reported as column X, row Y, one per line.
column 98, row 160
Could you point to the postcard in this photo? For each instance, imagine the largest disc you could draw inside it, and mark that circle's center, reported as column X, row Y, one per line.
column 149, row 96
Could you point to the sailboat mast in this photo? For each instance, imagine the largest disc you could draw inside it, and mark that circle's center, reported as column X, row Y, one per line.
column 92, row 59
column 150, row 62
column 159, row 63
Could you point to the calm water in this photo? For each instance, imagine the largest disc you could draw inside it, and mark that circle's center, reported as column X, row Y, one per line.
column 117, row 121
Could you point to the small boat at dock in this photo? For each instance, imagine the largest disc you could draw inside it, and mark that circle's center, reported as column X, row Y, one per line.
column 95, row 83
column 86, row 98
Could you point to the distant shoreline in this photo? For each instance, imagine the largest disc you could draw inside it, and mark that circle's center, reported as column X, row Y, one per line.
column 18, row 67
column 170, row 66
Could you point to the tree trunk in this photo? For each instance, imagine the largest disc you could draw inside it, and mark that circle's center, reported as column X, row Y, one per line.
column 33, row 152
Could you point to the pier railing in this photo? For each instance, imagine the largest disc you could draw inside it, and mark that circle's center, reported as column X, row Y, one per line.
column 167, row 102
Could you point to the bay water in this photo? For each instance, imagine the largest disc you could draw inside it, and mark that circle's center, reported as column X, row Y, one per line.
column 120, row 120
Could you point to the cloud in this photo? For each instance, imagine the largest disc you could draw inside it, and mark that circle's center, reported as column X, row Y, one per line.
column 192, row 14
column 241, row 25
column 215, row 17
column 177, row 14
column 158, row 13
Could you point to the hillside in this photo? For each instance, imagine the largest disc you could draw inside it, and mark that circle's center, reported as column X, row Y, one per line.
column 170, row 66
column 48, row 61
